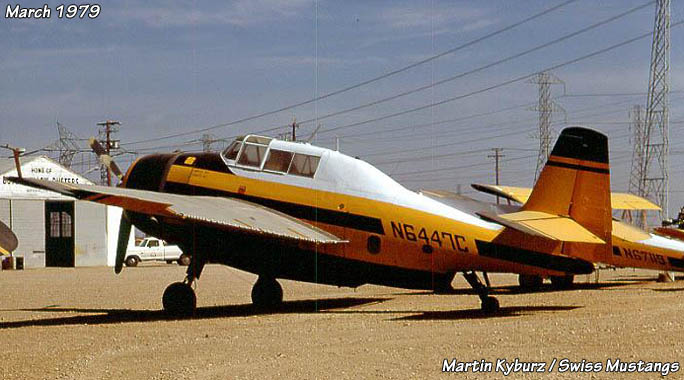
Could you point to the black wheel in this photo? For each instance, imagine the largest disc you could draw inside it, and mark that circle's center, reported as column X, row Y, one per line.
column 530, row 282
column 179, row 299
column 184, row 260
column 562, row 282
column 132, row 261
column 490, row 305
column 267, row 293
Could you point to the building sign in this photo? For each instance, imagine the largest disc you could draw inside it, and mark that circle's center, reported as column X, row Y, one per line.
column 40, row 168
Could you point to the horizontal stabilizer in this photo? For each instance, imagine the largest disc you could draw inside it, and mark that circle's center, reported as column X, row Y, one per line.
column 541, row 224
column 618, row 201
column 628, row 232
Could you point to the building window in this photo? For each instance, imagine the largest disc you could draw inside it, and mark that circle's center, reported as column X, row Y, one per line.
column 54, row 224
column 66, row 224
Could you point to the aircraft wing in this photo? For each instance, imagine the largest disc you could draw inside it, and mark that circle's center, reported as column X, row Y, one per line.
column 619, row 201
column 549, row 226
column 226, row 213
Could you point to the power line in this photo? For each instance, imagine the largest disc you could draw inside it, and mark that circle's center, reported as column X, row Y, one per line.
column 481, row 68
column 501, row 84
column 364, row 83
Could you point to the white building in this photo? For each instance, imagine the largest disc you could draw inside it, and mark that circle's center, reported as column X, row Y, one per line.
column 52, row 229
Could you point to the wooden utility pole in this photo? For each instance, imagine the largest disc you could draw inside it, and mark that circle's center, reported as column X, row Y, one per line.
column 496, row 156
column 108, row 130
column 16, row 152
column 294, row 129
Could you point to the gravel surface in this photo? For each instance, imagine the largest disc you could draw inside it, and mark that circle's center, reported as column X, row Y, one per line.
column 88, row 323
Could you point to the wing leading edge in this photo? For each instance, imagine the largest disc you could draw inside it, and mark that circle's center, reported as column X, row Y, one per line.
column 226, row 213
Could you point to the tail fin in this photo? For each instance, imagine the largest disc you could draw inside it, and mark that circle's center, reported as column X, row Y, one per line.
column 576, row 181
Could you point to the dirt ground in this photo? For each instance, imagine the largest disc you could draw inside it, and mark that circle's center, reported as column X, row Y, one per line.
column 88, row 323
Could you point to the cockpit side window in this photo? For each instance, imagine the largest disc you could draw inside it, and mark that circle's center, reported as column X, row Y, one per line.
column 278, row 160
column 252, row 155
column 232, row 151
column 304, row 165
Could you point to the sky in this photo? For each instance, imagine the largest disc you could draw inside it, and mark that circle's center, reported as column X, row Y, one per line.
column 188, row 68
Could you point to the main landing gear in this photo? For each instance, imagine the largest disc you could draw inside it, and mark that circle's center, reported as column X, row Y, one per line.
column 489, row 303
column 179, row 298
column 267, row 293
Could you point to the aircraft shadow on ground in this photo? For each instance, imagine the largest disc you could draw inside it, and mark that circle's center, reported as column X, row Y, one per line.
column 417, row 315
column 112, row 316
column 546, row 288
column 669, row 290
column 512, row 311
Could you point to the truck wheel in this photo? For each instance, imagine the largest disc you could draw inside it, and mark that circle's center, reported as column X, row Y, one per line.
column 132, row 261
column 184, row 260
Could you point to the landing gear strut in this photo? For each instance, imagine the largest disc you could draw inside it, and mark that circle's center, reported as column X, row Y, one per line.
column 489, row 303
column 530, row 282
column 267, row 293
column 179, row 298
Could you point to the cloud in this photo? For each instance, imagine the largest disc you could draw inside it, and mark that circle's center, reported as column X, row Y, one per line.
column 427, row 18
column 240, row 13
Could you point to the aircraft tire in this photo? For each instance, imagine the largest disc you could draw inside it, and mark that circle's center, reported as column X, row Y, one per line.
column 562, row 282
column 490, row 305
column 530, row 282
column 267, row 293
column 179, row 299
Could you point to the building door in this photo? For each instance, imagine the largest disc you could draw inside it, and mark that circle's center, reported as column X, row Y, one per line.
column 59, row 234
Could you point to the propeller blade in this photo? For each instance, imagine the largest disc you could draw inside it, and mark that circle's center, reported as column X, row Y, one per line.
column 105, row 158
column 8, row 240
column 122, row 242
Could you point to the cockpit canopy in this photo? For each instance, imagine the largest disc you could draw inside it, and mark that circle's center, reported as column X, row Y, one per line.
column 258, row 153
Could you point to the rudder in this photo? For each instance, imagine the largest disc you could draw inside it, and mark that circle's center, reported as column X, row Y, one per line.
column 575, row 182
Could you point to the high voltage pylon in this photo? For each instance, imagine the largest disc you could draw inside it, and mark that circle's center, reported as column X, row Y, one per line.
column 545, row 107
column 638, row 140
column 66, row 145
column 654, row 183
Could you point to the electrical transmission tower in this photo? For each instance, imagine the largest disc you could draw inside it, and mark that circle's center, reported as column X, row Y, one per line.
column 654, row 182
column 638, row 149
column 638, row 140
column 66, row 146
column 545, row 107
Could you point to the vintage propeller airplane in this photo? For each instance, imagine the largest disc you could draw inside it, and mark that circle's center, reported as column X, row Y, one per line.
column 289, row 210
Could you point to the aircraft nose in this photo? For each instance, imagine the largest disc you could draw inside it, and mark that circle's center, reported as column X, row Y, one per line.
column 148, row 172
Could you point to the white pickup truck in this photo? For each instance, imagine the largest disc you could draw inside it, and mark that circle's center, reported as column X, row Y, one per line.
column 153, row 249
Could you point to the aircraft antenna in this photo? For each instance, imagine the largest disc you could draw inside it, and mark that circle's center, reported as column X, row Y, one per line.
column 655, row 179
